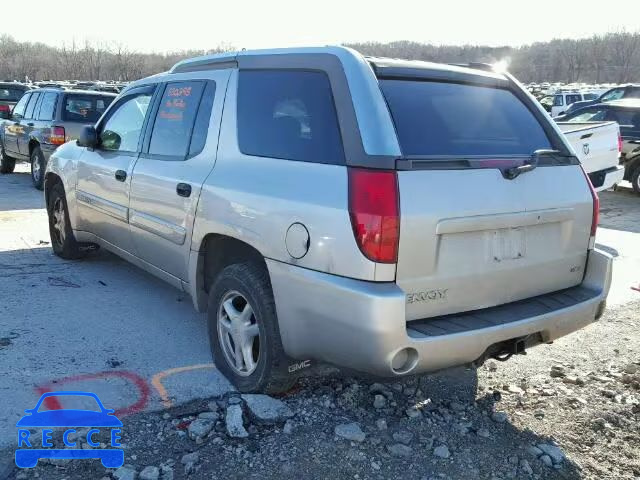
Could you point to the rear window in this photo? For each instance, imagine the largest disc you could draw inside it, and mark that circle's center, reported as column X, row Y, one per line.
column 84, row 108
column 289, row 115
column 436, row 118
column 10, row 94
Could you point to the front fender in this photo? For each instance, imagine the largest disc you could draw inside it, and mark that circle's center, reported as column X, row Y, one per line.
column 63, row 164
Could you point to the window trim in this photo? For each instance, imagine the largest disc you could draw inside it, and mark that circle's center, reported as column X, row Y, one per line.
column 133, row 92
column 343, row 148
column 162, row 87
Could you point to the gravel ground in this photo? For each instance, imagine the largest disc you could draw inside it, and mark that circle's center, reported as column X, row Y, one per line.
column 567, row 410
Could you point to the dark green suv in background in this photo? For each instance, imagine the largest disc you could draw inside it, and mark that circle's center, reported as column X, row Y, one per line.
column 42, row 120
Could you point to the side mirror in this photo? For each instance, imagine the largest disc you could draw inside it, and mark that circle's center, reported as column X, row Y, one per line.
column 88, row 137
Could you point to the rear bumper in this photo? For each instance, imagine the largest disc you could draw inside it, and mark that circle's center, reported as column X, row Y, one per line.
column 606, row 179
column 361, row 325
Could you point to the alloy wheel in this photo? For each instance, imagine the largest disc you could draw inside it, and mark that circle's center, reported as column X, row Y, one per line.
column 239, row 333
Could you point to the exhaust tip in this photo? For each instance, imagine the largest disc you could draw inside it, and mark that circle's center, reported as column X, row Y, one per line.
column 404, row 361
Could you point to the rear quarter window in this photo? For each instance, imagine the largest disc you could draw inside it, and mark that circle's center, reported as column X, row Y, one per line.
column 84, row 108
column 444, row 119
column 288, row 114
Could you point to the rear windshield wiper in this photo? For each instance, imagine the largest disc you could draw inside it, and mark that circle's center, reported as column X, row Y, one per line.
column 513, row 172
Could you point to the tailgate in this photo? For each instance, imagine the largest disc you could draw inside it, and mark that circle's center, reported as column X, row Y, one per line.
column 471, row 238
column 596, row 144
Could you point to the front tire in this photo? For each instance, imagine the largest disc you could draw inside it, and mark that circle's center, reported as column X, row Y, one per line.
column 63, row 241
column 243, row 330
column 37, row 168
column 7, row 164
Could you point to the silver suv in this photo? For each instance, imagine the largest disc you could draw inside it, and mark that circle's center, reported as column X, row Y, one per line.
column 392, row 217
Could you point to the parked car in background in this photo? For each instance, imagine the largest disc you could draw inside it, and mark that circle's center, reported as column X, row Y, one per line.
column 617, row 93
column 42, row 120
column 10, row 93
column 627, row 114
column 562, row 100
column 392, row 217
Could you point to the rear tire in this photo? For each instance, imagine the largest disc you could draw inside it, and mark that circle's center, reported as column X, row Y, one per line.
column 242, row 310
column 7, row 164
column 635, row 179
column 63, row 241
column 37, row 168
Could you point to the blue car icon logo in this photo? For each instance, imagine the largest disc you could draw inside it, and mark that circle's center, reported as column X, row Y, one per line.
column 68, row 419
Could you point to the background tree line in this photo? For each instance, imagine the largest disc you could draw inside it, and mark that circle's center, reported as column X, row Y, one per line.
column 612, row 57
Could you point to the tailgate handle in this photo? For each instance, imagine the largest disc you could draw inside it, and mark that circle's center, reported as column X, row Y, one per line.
column 586, row 135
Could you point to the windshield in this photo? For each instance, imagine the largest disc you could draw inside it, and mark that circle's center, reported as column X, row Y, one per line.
column 444, row 119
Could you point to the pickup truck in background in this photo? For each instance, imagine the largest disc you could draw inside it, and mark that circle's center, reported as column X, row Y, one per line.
column 626, row 113
column 597, row 145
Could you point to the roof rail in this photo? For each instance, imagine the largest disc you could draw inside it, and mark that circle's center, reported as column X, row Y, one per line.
column 477, row 65
column 206, row 62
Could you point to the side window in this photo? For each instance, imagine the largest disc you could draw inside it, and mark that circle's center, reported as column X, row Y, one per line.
column 558, row 101
column 48, row 106
column 18, row 110
column 288, row 114
column 201, row 127
column 623, row 117
column 174, row 121
column 122, row 129
column 633, row 92
column 32, row 105
column 613, row 95
column 573, row 98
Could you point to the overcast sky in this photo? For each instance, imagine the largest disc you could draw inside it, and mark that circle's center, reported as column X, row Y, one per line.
column 161, row 25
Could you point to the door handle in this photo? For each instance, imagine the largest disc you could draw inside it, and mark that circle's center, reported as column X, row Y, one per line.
column 29, row 124
column 183, row 189
column 121, row 175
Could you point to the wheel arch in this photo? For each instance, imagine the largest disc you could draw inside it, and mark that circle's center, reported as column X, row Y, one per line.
column 50, row 180
column 33, row 143
column 216, row 252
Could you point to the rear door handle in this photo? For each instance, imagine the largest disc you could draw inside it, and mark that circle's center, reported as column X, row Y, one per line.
column 29, row 124
column 121, row 175
column 183, row 189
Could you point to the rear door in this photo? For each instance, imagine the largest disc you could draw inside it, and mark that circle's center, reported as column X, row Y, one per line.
column 469, row 237
column 28, row 123
column 104, row 172
column 179, row 152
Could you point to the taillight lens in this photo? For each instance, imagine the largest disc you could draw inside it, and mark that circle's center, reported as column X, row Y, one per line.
column 595, row 218
column 57, row 136
column 5, row 108
column 374, row 211
column 619, row 143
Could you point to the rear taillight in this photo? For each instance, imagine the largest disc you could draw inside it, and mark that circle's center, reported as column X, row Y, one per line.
column 619, row 143
column 374, row 211
column 57, row 136
column 595, row 218
column 5, row 108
